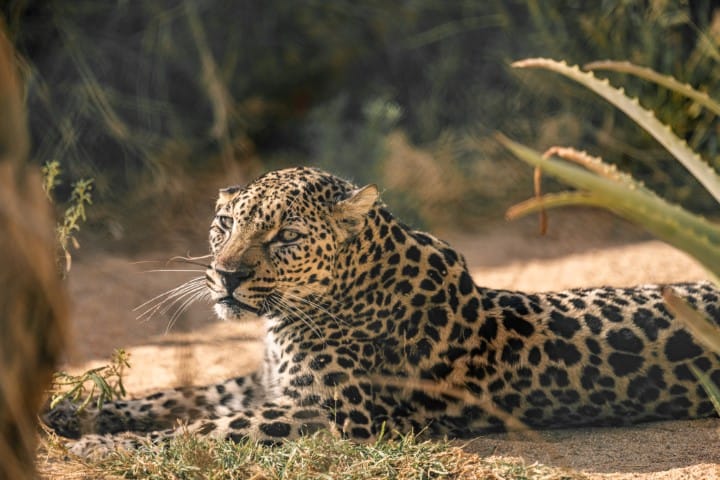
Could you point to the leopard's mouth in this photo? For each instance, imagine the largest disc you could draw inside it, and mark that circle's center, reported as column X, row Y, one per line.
column 236, row 306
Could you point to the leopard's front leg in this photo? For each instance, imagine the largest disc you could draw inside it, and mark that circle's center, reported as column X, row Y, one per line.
column 270, row 423
column 159, row 411
column 264, row 421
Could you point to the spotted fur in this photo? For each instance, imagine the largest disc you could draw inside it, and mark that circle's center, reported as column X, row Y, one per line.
column 372, row 326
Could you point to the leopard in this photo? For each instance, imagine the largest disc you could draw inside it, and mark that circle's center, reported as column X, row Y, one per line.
column 375, row 329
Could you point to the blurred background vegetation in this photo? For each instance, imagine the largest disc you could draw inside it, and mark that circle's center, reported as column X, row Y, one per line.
column 161, row 101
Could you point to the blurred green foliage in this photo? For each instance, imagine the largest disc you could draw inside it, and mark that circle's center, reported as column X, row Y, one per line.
column 111, row 84
column 74, row 214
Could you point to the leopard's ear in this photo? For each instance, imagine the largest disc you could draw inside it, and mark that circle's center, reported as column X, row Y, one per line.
column 350, row 213
column 225, row 195
column 228, row 193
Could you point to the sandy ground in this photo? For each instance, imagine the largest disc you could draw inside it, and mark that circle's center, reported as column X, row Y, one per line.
column 582, row 249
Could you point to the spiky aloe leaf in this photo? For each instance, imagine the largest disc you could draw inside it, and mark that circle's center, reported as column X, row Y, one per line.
column 645, row 118
column 666, row 81
column 686, row 231
column 553, row 200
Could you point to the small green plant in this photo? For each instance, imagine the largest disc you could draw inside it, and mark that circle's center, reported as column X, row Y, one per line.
column 97, row 385
column 600, row 184
column 74, row 213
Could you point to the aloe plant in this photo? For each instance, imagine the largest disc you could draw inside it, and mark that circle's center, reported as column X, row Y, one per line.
column 700, row 169
column 600, row 185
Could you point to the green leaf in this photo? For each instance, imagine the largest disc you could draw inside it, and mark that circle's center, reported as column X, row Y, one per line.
column 645, row 118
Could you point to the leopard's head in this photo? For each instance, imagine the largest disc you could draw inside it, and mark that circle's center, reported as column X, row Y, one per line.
column 276, row 241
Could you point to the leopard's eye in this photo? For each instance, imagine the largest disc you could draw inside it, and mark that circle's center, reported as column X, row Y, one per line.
column 287, row 236
column 226, row 222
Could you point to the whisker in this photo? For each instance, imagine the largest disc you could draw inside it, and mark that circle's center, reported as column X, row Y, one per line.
column 165, row 306
column 182, row 308
column 180, row 296
column 190, row 257
column 139, row 262
column 317, row 306
column 167, row 299
column 306, row 319
column 302, row 316
column 180, row 259
column 191, row 260
column 170, row 292
column 204, row 265
column 170, row 270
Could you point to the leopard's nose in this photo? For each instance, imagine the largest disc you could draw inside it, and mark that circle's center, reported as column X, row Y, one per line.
column 232, row 279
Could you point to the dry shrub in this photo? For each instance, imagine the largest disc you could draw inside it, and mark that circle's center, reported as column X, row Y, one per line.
column 33, row 306
column 434, row 185
column 458, row 183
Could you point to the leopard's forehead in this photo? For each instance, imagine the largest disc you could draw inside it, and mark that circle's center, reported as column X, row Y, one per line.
column 279, row 194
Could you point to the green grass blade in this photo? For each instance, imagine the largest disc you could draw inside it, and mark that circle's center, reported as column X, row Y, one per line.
column 705, row 331
column 691, row 233
column 645, row 118
column 709, row 386
column 666, row 81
